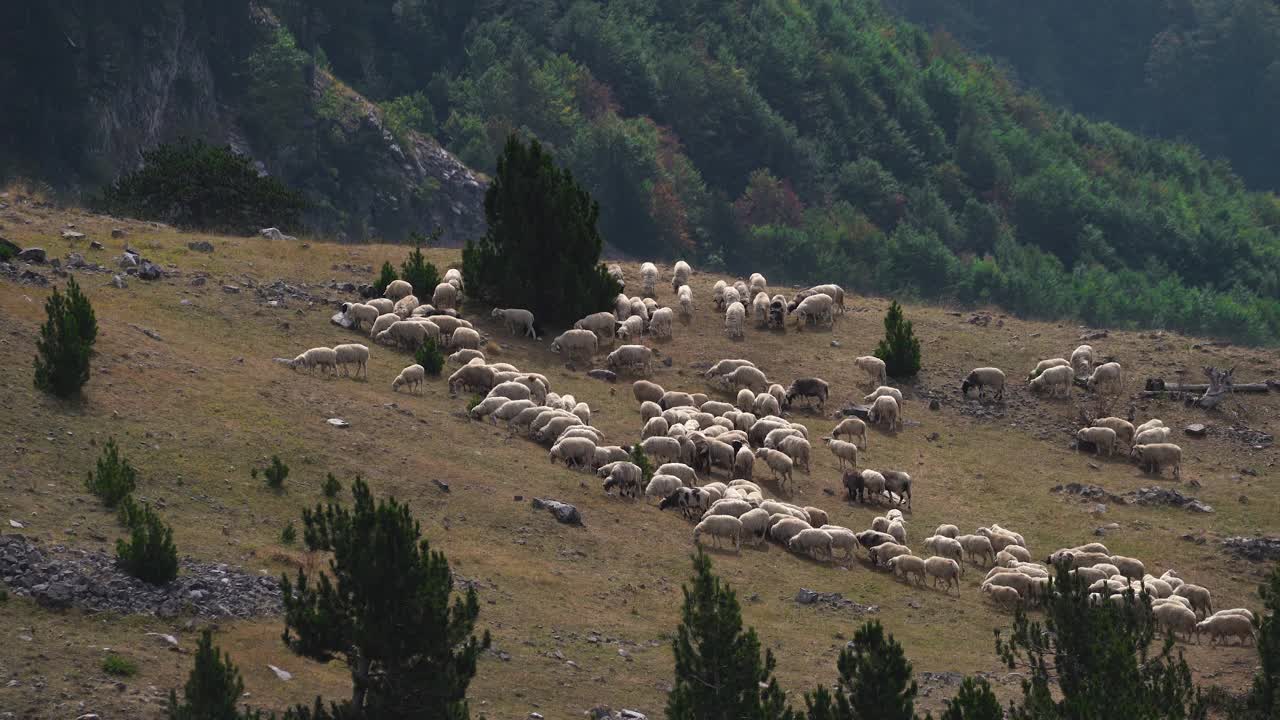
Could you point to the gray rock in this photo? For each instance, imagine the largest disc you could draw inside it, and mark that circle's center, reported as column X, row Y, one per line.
column 444, row 486
column 118, row 281
column 563, row 512
column 231, row 289
column 199, row 281
column 806, row 596
column 75, row 260
column 32, row 255
column 342, row 321
column 1196, row 430
column 625, row 714
column 72, row 235
column 272, row 233
column 835, row 343
column 1259, row 549
column 129, row 260
column 201, row 246
column 935, row 404
column 338, row 423
column 95, row 245
column 117, row 232
column 149, row 271
column 602, row 374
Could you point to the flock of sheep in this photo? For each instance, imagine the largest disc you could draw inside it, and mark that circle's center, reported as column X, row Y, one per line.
column 690, row 435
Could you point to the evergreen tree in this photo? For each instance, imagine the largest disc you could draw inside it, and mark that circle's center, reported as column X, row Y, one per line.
column 974, row 701
column 1264, row 700
column 419, row 273
column 875, row 681
column 541, row 224
column 62, row 359
column 149, row 554
column 114, row 479
column 384, row 607
column 430, row 357
column 385, row 278
column 1099, row 658
column 276, row 473
column 900, row 350
column 212, row 689
column 718, row 670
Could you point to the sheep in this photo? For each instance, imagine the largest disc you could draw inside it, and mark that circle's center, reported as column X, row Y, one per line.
column 745, row 400
column 742, row 290
column 946, row 569
column 1107, row 378
column 397, row 289
column 845, row 452
column 411, row 376
column 1045, row 365
column 898, row 483
column 674, row 399
column 745, row 377
column 633, row 357
column 717, row 295
column 1172, row 617
column 516, row 319
column 405, row 306
column 1012, row 553
column 662, row 486
column 1152, row 436
column 834, row 291
column 720, row 527
column 601, row 323
column 447, row 323
column 615, row 272
column 624, row 476
column 1201, row 600
column 814, row 309
column 733, row 507
column 853, row 427
column 898, row 531
column 427, row 310
column 643, row 390
column 724, row 367
column 779, row 463
column 1102, row 439
column 631, row 328
column 382, row 322
column 357, row 313
column 685, row 297
column 1154, row 458
column 352, row 354
column 445, row 296
column 510, row 410
column 680, row 273
column 577, row 344
column 680, row 470
column 1224, row 626
column 324, row 358
column 881, row 554
column 813, row 542
column 1131, row 568
column 816, row 389
column 1057, row 380
column 760, row 310
column 985, row 379
column 1123, row 428
column 1007, row 596
column 384, row 305
column 472, row 377
column 798, row 449
column 784, row 527
column 1022, row 583
column 976, row 546
column 734, row 318
column 648, row 279
column 1152, row 423
column 692, row 502
column 466, row 355
column 464, row 338
column 874, row 367
column 660, row 324
column 643, row 308
column 453, row 276
column 405, row 334
column 945, row 547
column 1082, row 361
column 755, row 524
column 885, row 411
column 873, row 484
column 882, row 391
column 948, row 531
column 575, row 452
column 870, row 539
column 662, row 448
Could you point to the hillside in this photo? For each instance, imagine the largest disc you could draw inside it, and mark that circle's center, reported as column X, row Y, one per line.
column 184, row 380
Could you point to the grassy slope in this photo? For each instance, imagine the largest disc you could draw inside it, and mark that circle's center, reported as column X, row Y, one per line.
column 197, row 409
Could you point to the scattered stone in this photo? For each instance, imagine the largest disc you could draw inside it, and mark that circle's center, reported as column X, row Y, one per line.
column 1249, row 436
column 284, row 675
column 1196, row 430
column 602, row 374
column 117, row 232
column 835, row 343
column 148, row 332
column 338, row 423
column 1088, row 492
column 35, row 255
column 1157, row 495
column 16, row 524
column 444, row 486
column 171, row 640
column 1094, row 335
column 199, row 281
column 835, row 601
column 201, row 246
column 272, row 233
column 129, row 259
column 149, row 271
column 75, row 260
column 72, row 235
column 231, row 289
column 625, row 714
column 935, row 404
column 563, row 512
column 95, row 245
column 339, row 319
column 1259, row 549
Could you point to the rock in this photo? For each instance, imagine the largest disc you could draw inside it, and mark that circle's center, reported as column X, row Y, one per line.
column 55, row 595
column 148, row 332
column 231, row 289
column 806, row 596
column 72, row 235
column 119, row 282
column 149, row 271
column 284, row 675
column 631, row 715
column 201, row 246
column 171, row 640
column 1157, row 495
column 338, row 423
column 198, row 281
column 535, row 716
column 95, row 245
column 835, row 343
column 1259, row 549
column 1196, row 430
column 444, row 486
column 75, row 260
column 16, row 524
column 600, row 712
column 340, row 320
column 835, row 601
column 1197, row 506
column 117, row 232
column 1094, row 335
column 935, row 404
column 272, row 233
column 35, row 255
column 129, row 259
column 89, row 716
column 367, row 291
column 563, row 512
column 602, row 374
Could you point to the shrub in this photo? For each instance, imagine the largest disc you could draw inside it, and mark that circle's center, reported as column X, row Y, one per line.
column 430, row 357
column 419, row 273
column 275, row 473
column 538, row 217
column 385, row 278
column 875, row 680
column 129, row 512
column 288, row 534
column 474, row 401
column 640, row 460
column 62, row 354
column 114, row 478
column 198, row 186
column 119, row 666
column 331, row 487
column 900, row 350
column 149, row 553
column 1264, row 699
column 213, row 687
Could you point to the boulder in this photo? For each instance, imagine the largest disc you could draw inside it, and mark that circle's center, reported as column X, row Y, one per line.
column 231, row 289
column 72, row 235
column 95, row 245
column 1196, row 429
column 117, row 232
column 75, row 260
column 129, row 259
column 201, row 246
column 602, row 374
column 563, row 512
column 272, row 233
column 342, row 321
column 198, row 281
column 32, row 255
column 149, row 271
column 119, row 282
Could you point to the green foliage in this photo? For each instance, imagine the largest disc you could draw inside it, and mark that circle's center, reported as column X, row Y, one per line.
column 974, row 701
column 384, row 607
column 275, row 473
column 419, row 273
column 331, row 486
column 62, row 351
column 474, row 401
column 541, row 224
column 114, row 478
column 213, row 687
column 1089, row 660
column 1264, row 699
column 198, row 186
column 410, row 113
column 149, row 553
column 129, row 512
column 385, row 277
column 277, row 99
column 430, row 357
column 4, row 596
column 875, row 681
column 289, row 534
column 900, row 350
column 719, row 674
column 119, row 666
column 640, row 460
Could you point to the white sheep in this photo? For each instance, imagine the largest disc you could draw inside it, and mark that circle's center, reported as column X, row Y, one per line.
column 985, row 379
column 760, row 310
column 631, row 329
column 464, row 337
column 798, row 449
column 631, row 357
column 445, row 296
column 404, row 334
column 680, row 273
column 384, row 305
column 465, row 355
column 874, row 367
column 446, row 323
column 510, row 410
column 516, row 319
column 779, row 463
column 324, row 358
column 1152, row 436
column 1082, row 361
column 1224, row 626
column 1172, row 617
column 720, row 526
column 946, row 569
column 1201, row 599
column 746, row 376
column 411, row 376
column 1057, row 380
column 353, row 354
column 663, row 449
column 885, row 411
column 405, row 306
column 575, row 452
column 845, row 452
column 853, row 427
column 1158, row 456
column 1007, row 596
column 662, row 486
column 735, row 317
column 648, row 279
column 948, row 531
column 756, row 283
column 660, row 323
column 397, row 289
column 814, row 309
column 602, row 324
column 486, row 408
column 1107, row 378
column 1102, row 438
column 615, row 272
column 1045, row 365
column 576, row 344
column 453, row 276
column 976, row 546
column 357, row 313
column 382, row 322
column 1152, row 423
column 908, row 565
column 882, row 391
column 1123, row 428
column 472, row 377
column 813, row 542
column 583, row 411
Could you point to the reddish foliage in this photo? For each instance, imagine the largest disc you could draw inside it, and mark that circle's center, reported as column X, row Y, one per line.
column 768, row 201
column 594, row 97
column 670, row 216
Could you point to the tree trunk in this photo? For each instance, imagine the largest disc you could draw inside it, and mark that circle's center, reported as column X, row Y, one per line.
column 1219, row 387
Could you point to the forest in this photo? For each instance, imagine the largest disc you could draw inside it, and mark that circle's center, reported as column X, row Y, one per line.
column 823, row 140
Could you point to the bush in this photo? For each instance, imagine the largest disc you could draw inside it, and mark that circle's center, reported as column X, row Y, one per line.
column 149, row 553
column 385, row 278
column 199, row 186
column 1264, row 699
column 78, row 305
column 289, row 534
column 640, row 460
column 331, row 487
column 275, row 473
column 62, row 352
column 213, row 687
column 129, row 512
column 119, row 666
column 538, row 217
column 419, row 273
column 900, row 350
column 430, row 357
column 474, row 401
column 114, row 478
column 875, row 680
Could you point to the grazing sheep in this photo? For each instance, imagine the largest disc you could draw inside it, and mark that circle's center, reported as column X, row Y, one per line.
column 745, row 377
column 1012, row 553
column 1082, row 361
column 660, row 324
column 986, row 379
column 577, row 344
column 871, row 539
column 510, row 410
column 352, row 354
column 898, row 483
column 576, row 452
column 814, row 309
column 685, row 298
column 784, row 527
column 644, row 390
column 516, row 319
column 405, row 306
column 735, row 317
column 1152, row 423
column 472, row 377
column 466, row 355
column 976, row 546
column 445, row 296
column 720, row 526
column 453, row 276
column 411, row 376
column 662, row 486
column 1220, row 627
column 680, row 273
column 816, row 389
column 664, row 449
column 447, row 323
column 1154, row 458
column 1201, row 600
column 1123, row 428
column 882, row 391
column 382, row 322
column 655, row 427
column 906, row 566
column 873, row 484
column 1045, row 365
column 631, row 357
column 1057, row 380
column 1007, row 596
column 898, row 531
column 874, row 367
column 397, row 289
column 357, row 313
column 853, row 427
column 731, row 296
column 1172, row 618
column 745, row 400
column 798, row 449
column 717, row 295
column 883, row 553
column 948, row 531
column 724, row 367
column 486, row 408
column 885, row 411
column 464, row 337
column 946, row 569
column 1152, row 436
column 408, row 334
column 615, row 272
column 755, row 525
column 384, row 305
column 1107, row 379
column 756, row 283
column 813, row 542
column 324, row 358
column 1102, row 439
column 779, row 463
column 945, row 547
column 624, row 476
column 601, row 323
column 631, row 328
column 648, row 279
column 845, row 452
column 760, row 310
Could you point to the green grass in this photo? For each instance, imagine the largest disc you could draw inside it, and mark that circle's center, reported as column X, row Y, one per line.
column 119, row 666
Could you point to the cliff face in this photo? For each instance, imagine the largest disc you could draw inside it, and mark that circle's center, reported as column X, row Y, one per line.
column 92, row 86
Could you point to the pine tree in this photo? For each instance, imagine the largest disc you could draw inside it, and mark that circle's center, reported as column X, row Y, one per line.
column 384, row 607
column 974, row 701
column 1264, row 700
column 385, row 277
column 149, row 554
column 718, row 670
column 114, row 478
column 419, row 273
column 538, row 217
column 62, row 359
column 875, row 681
column 212, row 689
column 900, row 350
column 430, row 357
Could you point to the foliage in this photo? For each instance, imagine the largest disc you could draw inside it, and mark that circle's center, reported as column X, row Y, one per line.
column 331, row 486
column 974, row 701
column 640, row 460
column 385, row 277
column 473, row 401
column 198, row 186
column 410, row 113
column 1264, row 699
column 900, row 350
column 719, row 674
column 276, row 473
column 149, row 553
column 288, row 534
column 129, row 512
column 1089, row 661
column 541, row 224
column 875, row 681
column 114, row 478
column 119, row 666
column 62, row 351
column 419, row 273
column 430, row 357
column 384, row 607
column 212, row 688
column 277, row 98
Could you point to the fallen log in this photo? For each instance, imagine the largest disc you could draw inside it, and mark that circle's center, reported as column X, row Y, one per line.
column 1156, row 386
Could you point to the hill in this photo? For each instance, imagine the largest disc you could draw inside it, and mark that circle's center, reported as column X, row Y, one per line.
column 184, row 380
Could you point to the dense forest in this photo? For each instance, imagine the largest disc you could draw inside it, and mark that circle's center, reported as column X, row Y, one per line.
column 808, row 139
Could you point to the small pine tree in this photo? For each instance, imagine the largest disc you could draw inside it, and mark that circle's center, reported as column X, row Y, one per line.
column 900, row 350
column 419, row 273
column 384, row 605
column 385, row 278
column 974, row 701
column 62, row 359
column 719, row 674
column 149, row 553
column 288, row 534
column 875, row 681
column 1264, row 699
column 78, row 305
column 129, row 512
column 331, row 487
column 212, row 688
column 114, row 478
column 430, row 357
column 640, row 460
column 276, row 472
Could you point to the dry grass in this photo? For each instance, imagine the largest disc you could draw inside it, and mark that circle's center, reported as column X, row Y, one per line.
column 195, row 411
